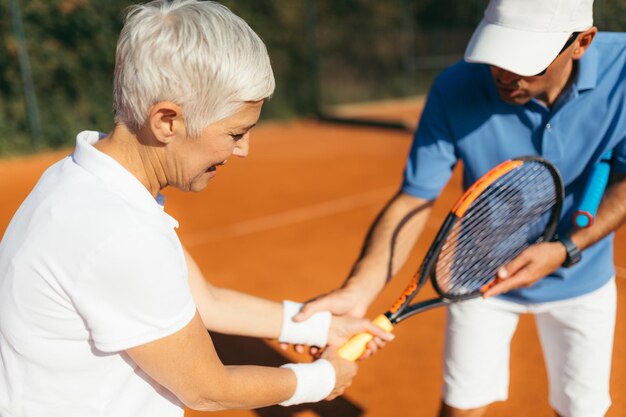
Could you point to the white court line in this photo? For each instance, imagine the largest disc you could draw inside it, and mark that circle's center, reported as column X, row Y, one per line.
column 287, row 218
column 316, row 211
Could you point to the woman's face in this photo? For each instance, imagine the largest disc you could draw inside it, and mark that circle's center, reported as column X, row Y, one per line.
column 192, row 162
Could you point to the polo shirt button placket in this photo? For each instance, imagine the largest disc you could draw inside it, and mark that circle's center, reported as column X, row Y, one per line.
column 552, row 148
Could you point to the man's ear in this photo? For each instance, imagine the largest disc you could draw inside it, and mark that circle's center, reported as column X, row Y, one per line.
column 583, row 42
column 166, row 122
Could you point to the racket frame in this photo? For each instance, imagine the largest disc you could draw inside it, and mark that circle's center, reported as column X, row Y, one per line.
column 402, row 310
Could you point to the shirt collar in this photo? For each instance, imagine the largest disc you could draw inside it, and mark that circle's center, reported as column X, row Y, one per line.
column 120, row 180
column 587, row 76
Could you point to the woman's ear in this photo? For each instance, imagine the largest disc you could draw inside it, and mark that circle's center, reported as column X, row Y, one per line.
column 166, row 122
column 583, row 42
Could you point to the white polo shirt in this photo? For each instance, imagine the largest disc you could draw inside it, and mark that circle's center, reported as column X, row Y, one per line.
column 90, row 266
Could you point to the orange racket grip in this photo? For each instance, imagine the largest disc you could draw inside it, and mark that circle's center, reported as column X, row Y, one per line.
column 354, row 348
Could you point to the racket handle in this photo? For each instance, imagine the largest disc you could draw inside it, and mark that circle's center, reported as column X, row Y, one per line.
column 584, row 216
column 354, row 348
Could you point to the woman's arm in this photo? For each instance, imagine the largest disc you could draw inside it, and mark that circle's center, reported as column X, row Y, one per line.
column 232, row 312
column 187, row 365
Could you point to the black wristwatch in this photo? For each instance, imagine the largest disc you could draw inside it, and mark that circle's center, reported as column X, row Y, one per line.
column 573, row 252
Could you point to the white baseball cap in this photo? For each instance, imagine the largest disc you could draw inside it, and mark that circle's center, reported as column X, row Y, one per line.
column 525, row 36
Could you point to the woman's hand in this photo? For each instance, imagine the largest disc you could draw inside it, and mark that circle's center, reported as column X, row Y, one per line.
column 342, row 328
column 344, row 372
column 348, row 305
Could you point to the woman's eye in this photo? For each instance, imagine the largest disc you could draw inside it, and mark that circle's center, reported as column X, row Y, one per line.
column 237, row 137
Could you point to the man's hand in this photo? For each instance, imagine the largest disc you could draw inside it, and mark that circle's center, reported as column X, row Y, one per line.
column 533, row 264
column 348, row 305
column 346, row 301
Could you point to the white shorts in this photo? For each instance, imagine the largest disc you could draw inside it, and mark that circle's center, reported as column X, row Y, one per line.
column 577, row 340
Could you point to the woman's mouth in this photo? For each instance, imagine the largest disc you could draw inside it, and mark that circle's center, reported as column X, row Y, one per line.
column 213, row 168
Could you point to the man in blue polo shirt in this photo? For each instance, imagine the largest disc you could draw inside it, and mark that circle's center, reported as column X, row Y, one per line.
column 537, row 79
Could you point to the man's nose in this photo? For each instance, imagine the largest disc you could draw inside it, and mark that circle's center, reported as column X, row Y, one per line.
column 506, row 77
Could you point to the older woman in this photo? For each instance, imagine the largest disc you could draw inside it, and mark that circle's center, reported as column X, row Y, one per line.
column 102, row 311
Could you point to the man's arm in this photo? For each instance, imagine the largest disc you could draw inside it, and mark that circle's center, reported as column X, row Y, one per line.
column 610, row 216
column 385, row 250
column 542, row 259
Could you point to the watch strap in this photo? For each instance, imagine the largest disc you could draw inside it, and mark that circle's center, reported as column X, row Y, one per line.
column 573, row 253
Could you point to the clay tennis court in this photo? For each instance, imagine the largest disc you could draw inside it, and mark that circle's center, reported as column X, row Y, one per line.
column 288, row 222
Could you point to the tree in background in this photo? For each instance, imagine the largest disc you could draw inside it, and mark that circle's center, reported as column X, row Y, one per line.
column 71, row 44
column 323, row 52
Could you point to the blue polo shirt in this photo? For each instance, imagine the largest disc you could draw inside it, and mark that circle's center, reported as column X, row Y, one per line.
column 465, row 119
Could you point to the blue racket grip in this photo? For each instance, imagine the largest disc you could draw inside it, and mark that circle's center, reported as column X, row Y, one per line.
column 594, row 189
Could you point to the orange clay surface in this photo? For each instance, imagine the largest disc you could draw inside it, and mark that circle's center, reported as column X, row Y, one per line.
column 288, row 222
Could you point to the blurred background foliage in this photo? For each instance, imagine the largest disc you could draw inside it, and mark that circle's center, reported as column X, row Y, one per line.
column 324, row 53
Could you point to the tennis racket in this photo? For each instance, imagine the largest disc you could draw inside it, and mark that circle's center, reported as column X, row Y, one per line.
column 515, row 205
column 599, row 178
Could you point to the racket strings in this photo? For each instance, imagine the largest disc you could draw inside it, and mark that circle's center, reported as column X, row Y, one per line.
column 479, row 266
column 507, row 217
column 503, row 193
column 483, row 227
column 499, row 191
column 516, row 232
column 483, row 267
column 479, row 222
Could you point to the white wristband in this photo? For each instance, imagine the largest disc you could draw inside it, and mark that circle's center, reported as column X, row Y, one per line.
column 314, row 381
column 313, row 331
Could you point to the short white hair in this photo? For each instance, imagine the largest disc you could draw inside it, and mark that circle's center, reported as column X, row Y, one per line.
column 197, row 54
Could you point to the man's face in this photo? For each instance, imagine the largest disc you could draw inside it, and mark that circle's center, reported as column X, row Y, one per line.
column 517, row 90
column 192, row 162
